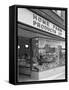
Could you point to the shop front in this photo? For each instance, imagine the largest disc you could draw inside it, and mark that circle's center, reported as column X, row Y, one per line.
column 41, row 49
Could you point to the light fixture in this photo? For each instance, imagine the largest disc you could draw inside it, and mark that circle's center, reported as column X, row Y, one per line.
column 18, row 47
column 26, row 46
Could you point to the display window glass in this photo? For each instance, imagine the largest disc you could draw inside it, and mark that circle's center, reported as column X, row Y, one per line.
column 47, row 53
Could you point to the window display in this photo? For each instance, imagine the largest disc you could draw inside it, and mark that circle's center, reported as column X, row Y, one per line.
column 47, row 54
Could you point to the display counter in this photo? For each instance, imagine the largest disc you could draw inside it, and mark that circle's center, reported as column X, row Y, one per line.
column 47, row 73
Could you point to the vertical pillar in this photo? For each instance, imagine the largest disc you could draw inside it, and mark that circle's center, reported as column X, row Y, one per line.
column 58, row 49
column 31, row 54
column 57, row 53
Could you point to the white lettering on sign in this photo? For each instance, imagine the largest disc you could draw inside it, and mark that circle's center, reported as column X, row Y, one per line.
column 28, row 17
column 42, row 24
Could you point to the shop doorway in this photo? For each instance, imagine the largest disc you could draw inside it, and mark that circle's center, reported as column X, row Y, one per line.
column 24, row 57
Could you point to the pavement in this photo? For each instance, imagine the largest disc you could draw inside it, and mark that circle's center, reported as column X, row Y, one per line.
column 58, row 75
column 55, row 77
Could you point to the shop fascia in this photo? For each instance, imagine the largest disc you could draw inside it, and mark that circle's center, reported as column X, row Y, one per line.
column 46, row 25
column 28, row 17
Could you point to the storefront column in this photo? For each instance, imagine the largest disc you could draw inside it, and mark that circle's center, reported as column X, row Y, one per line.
column 57, row 54
column 31, row 54
column 58, row 49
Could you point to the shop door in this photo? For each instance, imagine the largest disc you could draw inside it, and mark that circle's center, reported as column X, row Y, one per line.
column 25, row 55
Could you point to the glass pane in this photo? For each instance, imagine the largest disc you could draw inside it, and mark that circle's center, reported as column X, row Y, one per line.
column 48, row 54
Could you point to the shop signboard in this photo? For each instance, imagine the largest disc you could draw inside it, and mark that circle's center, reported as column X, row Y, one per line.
column 28, row 17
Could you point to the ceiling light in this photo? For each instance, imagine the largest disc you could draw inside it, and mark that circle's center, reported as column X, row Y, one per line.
column 26, row 46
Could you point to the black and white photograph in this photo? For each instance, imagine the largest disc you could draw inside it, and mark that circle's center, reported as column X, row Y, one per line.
column 34, row 45
column 41, row 44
